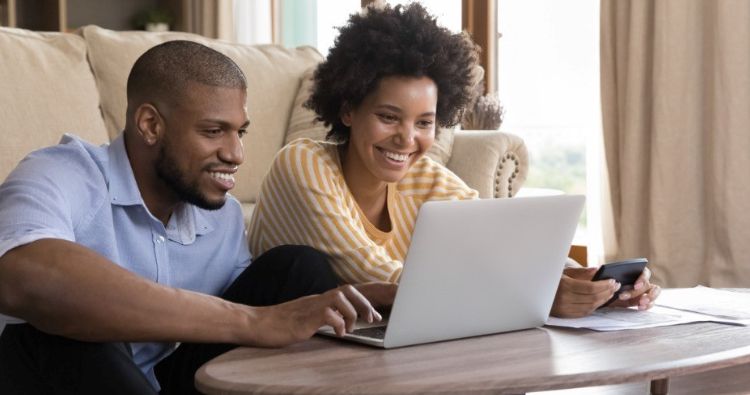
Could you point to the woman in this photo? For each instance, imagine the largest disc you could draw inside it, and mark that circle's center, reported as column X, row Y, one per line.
column 391, row 77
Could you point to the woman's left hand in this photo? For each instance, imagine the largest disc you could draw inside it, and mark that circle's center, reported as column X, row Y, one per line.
column 642, row 295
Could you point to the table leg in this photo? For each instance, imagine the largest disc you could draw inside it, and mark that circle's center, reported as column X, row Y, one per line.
column 660, row 386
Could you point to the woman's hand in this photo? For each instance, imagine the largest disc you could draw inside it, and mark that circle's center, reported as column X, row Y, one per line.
column 642, row 295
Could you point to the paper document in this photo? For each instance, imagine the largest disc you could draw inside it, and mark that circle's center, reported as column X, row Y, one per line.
column 715, row 302
column 615, row 319
column 673, row 307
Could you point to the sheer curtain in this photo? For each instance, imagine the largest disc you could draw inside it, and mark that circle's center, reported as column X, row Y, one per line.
column 210, row 18
column 676, row 129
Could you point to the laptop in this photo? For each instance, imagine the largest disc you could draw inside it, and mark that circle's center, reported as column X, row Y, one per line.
column 477, row 267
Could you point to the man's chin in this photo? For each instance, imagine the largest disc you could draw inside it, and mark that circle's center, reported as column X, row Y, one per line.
column 207, row 204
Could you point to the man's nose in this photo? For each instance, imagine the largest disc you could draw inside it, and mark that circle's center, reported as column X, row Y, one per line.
column 232, row 150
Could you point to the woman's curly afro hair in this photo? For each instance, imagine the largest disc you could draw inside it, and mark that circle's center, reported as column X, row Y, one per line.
column 400, row 41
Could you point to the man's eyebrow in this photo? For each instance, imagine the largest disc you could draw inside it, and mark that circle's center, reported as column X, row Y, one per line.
column 224, row 123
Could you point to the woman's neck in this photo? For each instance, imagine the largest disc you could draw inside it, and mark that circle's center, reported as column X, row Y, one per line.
column 370, row 193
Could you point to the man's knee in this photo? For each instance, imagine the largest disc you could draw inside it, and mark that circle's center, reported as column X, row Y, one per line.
column 39, row 361
column 310, row 263
column 307, row 270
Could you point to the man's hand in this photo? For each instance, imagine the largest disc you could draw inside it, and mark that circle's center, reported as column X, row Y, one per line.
column 578, row 296
column 643, row 294
column 297, row 320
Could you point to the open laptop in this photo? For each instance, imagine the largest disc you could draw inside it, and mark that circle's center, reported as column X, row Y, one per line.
column 476, row 267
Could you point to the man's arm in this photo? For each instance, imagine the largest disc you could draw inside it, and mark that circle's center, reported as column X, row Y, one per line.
column 66, row 289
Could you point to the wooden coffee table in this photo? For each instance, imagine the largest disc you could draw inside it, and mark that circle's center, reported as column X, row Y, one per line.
column 517, row 362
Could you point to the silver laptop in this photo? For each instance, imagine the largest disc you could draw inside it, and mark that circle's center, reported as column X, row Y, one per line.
column 477, row 267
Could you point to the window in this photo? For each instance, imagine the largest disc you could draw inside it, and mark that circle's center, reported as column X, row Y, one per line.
column 298, row 22
column 316, row 22
column 548, row 84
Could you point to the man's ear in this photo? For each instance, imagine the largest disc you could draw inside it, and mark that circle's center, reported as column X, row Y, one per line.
column 149, row 123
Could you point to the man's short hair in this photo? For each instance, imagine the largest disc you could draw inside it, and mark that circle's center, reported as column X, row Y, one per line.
column 164, row 71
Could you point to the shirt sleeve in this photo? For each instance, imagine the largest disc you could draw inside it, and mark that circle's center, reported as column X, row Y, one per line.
column 301, row 203
column 44, row 197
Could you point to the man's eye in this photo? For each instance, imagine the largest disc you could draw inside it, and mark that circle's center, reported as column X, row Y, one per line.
column 242, row 132
column 213, row 132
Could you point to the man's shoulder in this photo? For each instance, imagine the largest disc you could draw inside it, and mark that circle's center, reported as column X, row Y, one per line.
column 71, row 155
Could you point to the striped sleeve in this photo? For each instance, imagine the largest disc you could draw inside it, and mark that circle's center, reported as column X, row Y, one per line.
column 303, row 202
column 429, row 180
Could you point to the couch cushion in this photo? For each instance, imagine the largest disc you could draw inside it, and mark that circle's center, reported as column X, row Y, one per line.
column 46, row 89
column 302, row 123
column 273, row 74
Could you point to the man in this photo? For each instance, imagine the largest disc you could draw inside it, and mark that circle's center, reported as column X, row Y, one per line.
column 111, row 254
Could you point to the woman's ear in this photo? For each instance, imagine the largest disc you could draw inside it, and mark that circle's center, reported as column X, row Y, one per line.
column 148, row 123
column 346, row 115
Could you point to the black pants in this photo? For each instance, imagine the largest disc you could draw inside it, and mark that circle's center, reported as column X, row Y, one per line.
column 34, row 362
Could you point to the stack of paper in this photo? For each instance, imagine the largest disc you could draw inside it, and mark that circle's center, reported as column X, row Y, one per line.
column 725, row 304
column 673, row 307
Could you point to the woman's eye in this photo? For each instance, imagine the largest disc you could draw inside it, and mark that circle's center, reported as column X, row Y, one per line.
column 388, row 118
column 425, row 124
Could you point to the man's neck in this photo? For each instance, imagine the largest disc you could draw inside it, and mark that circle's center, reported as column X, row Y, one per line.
column 158, row 198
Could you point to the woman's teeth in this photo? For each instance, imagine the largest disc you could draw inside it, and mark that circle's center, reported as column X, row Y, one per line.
column 395, row 156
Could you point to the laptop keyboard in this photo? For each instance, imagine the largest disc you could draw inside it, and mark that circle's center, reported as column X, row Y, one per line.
column 375, row 332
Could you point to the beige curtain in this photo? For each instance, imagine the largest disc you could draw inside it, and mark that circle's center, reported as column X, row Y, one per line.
column 210, row 18
column 676, row 122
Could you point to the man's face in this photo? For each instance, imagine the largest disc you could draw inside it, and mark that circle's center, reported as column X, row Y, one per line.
column 202, row 148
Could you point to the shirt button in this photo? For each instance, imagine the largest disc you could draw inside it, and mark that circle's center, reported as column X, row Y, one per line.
column 160, row 239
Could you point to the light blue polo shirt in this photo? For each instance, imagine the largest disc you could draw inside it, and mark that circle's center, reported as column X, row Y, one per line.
column 87, row 194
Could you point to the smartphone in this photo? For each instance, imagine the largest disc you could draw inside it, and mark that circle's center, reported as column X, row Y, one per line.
column 624, row 272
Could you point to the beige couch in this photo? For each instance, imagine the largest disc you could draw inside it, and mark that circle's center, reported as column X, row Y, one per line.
column 55, row 83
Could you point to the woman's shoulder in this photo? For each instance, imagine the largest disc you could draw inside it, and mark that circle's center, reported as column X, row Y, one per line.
column 428, row 167
column 323, row 149
column 428, row 177
column 303, row 155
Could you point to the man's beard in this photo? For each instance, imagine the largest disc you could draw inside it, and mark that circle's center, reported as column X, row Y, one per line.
column 185, row 190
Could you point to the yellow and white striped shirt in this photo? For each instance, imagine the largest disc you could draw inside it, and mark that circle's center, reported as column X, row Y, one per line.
column 304, row 200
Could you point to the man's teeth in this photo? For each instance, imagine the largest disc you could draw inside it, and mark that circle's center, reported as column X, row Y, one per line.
column 223, row 176
column 395, row 156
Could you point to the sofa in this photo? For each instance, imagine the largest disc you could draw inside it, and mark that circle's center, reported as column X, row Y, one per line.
column 55, row 83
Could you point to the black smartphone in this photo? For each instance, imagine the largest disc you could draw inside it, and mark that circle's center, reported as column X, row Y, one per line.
column 624, row 272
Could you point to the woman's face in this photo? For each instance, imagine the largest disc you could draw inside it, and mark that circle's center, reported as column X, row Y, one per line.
column 392, row 128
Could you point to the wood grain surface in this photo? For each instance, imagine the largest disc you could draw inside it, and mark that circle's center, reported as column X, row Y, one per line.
column 517, row 362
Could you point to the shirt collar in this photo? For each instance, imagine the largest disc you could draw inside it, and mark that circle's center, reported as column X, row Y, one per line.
column 187, row 221
column 123, row 190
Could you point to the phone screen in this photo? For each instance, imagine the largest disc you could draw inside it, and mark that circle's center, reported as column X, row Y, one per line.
column 624, row 272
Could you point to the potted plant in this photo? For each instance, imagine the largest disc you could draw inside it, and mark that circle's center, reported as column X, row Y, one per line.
column 153, row 20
